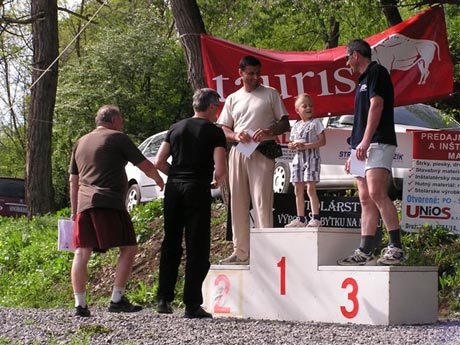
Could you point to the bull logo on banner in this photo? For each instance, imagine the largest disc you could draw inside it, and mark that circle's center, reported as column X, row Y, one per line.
column 399, row 52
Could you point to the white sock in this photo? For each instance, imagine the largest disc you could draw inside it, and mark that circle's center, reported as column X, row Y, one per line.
column 80, row 299
column 117, row 293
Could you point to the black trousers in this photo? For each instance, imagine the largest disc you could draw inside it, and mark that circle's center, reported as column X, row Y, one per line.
column 187, row 206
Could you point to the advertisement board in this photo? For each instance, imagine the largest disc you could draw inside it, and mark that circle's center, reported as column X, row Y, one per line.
column 431, row 193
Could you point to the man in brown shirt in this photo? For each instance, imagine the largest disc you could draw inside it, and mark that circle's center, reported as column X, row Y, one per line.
column 98, row 187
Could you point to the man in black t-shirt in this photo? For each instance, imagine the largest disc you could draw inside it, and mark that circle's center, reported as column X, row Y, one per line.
column 373, row 138
column 197, row 147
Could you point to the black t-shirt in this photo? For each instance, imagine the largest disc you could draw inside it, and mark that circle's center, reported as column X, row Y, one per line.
column 375, row 81
column 193, row 141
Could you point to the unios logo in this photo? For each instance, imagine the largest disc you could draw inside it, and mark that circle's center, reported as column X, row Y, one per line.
column 427, row 212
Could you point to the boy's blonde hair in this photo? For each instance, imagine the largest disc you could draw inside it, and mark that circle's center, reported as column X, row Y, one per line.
column 302, row 98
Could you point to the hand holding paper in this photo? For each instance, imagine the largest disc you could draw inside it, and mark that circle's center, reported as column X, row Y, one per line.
column 65, row 235
column 357, row 167
column 247, row 148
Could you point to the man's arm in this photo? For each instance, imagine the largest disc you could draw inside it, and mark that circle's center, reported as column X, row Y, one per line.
column 73, row 195
column 268, row 133
column 220, row 166
column 161, row 160
column 373, row 120
column 281, row 126
column 149, row 169
column 242, row 137
column 260, row 134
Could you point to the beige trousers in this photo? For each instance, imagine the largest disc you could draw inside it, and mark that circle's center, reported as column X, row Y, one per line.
column 251, row 180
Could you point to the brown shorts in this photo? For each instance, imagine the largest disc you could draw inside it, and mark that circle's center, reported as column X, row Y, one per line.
column 103, row 228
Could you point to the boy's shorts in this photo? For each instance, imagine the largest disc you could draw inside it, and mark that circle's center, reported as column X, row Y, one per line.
column 380, row 156
column 307, row 170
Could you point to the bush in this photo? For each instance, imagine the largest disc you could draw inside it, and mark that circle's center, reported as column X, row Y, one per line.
column 33, row 272
column 439, row 247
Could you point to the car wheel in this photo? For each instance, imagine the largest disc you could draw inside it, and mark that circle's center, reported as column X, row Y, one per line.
column 281, row 177
column 395, row 186
column 133, row 197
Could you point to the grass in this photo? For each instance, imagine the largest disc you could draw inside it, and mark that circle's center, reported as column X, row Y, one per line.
column 34, row 274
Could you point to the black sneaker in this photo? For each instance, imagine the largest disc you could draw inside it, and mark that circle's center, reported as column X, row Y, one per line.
column 199, row 313
column 82, row 312
column 124, row 306
column 164, row 307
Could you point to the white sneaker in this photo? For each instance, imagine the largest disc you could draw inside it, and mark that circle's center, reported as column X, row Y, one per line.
column 314, row 223
column 296, row 223
column 392, row 255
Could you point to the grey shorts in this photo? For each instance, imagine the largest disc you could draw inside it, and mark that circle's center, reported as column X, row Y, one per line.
column 305, row 169
column 380, row 156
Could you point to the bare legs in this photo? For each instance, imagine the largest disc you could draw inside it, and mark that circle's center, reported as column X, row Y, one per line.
column 375, row 201
column 299, row 189
column 79, row 272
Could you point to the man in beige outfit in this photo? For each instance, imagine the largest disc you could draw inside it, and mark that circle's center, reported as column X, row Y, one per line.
column 258, row 110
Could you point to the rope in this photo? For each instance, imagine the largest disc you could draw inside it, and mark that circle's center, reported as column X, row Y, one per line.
column 70, row 43
column 63, row 51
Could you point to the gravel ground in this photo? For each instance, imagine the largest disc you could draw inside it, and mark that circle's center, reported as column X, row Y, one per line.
column 59, row 326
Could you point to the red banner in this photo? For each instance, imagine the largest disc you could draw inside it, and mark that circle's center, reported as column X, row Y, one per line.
column 416, row 53
column 436, row 145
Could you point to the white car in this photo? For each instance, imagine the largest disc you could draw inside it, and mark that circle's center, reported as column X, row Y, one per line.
column 336, row 150
column 140, row 187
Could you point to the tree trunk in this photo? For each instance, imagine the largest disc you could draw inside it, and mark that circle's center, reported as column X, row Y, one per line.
column 39, row 188
column 333, row 35
column 391, row 12
column 189, row 25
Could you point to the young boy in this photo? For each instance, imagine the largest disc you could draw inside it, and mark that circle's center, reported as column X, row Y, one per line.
column 307, row 136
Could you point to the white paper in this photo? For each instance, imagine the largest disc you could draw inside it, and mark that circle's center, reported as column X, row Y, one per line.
column 65, row 235
column 247, row 148
column 357, row 167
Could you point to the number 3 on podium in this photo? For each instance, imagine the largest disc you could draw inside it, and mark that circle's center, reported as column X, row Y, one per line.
column 349, row 314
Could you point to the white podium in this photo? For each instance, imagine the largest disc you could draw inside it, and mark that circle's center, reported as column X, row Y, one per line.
column 293, row 275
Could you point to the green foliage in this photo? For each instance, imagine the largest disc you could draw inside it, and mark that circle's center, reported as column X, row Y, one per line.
column 13, row 152
column 33, row 273
column 453, row 33
column 131, row 56
column 143, row 215
column 293, row 25
column 222, row 218
column 143, row 294
column 435, row 246
column 131, row 61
